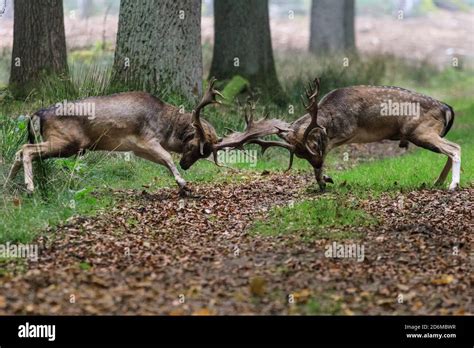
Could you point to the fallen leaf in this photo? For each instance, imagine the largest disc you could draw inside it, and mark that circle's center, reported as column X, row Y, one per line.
column 443, row 280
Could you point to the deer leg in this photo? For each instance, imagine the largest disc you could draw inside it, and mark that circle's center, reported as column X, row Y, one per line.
column 453, row 151
column 290, row 164
column 444, row 173
column 318, row 166
column 28, row 169
column 321, row 178
column 435, row 143
column 154, row 152
column 318, row 173
column 44, row 149
column 15, row 167
column 456, row 169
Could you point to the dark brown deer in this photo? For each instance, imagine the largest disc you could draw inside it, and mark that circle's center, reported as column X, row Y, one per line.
column 359, row 114
column 131, row 121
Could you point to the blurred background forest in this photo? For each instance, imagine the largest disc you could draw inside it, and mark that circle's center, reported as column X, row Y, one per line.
column 426, row 31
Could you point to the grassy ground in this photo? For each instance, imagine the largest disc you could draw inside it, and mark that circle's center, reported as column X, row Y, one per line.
column 82, row 185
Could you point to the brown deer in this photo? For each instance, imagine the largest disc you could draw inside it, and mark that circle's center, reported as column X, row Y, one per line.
column 130, row 121
column 358, row 114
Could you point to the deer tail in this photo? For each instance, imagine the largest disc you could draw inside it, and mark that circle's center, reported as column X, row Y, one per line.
column 34, row 128
column 448, row 119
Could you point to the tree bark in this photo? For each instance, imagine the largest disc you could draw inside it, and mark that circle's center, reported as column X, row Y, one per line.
column 242, row 44
column 332, row 27
column 39, row 43
column 159, row 47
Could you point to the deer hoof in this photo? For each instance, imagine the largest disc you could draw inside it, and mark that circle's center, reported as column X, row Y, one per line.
column 186, row 192
column 322, row 187
column 454, row 186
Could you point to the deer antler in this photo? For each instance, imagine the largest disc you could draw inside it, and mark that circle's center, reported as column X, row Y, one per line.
column 209, row 97
column 312, row 93
column 266, row 144
column 253, row 131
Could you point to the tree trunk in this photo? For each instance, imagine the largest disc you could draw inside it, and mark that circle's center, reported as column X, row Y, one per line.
column 39, row 43
column 159, row 47
column 332, row 27
column 242, row 44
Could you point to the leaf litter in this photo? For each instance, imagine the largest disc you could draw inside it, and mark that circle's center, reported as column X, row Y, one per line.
column 155, row 253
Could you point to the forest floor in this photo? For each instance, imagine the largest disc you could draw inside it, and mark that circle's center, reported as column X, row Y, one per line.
column 155, row 253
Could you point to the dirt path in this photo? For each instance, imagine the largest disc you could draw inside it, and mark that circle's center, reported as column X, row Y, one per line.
column 157, row 254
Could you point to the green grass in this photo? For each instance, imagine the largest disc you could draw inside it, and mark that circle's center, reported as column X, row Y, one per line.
column 21, row 221
column 313, row 218
column 325, row 306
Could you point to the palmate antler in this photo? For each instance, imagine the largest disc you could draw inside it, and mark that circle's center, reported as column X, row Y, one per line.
column 255, row 130
column 209, row 97
column 312, row 93
column 265, row 144
column 263, row 127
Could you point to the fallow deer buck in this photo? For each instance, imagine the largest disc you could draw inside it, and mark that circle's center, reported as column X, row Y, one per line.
column 130, row 121
column 358, row 114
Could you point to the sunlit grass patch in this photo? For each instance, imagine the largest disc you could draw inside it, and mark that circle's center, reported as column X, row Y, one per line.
column 22, row 218
column 315, row 218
